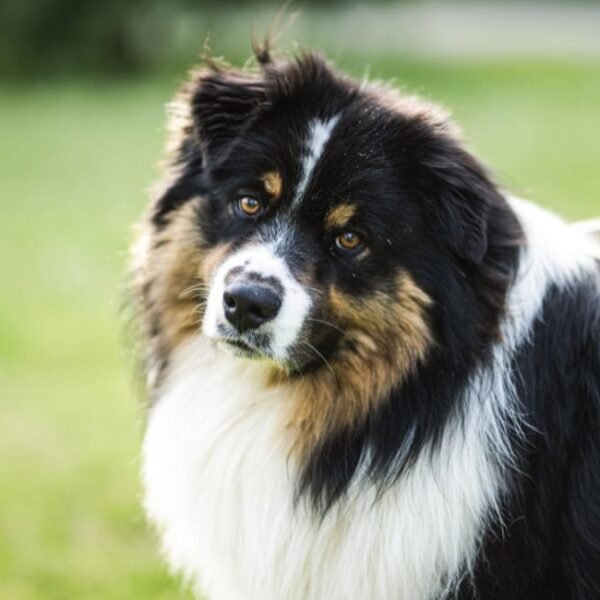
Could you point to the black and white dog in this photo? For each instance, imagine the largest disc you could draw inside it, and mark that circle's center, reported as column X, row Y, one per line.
column 372, row 374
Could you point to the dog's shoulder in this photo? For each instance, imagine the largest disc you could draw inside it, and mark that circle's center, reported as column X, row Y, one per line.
column 550, row 534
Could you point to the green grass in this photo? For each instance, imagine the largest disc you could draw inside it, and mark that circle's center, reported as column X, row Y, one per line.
column 75, row 159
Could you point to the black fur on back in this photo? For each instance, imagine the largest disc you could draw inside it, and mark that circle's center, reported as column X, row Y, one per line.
column 549, row 545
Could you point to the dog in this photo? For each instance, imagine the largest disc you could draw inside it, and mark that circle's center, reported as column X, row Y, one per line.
column 372, row 373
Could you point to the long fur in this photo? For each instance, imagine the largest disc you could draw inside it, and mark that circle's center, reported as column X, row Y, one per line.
column 419, row 421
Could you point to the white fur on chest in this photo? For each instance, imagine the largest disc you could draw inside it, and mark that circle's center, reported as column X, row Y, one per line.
column 219, row 483
column 220, row 486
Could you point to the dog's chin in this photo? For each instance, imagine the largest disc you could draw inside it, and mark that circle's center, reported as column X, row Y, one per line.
column 256, row 347
column 241, row 349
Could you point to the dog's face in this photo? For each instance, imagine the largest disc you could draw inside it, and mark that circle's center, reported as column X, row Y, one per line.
column 308, row 216
column 339, row 233
column 314, row 215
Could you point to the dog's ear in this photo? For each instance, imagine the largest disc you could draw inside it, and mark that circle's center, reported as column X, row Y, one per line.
column 223, row 102
column 460, row 195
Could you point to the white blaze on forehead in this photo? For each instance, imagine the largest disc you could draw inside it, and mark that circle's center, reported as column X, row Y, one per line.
column 283, row 330
column 319, row 133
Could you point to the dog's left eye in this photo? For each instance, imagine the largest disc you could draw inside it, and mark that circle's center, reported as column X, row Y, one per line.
column 248, row 206
column 350, row 241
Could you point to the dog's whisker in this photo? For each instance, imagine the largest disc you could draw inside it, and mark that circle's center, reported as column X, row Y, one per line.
column 315, row 320
column 320, row 355
column 193, row 290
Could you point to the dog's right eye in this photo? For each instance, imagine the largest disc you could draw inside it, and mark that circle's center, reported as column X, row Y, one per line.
column 248, row 207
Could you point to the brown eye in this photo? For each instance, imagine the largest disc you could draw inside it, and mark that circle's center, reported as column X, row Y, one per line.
column 349, row 240
column 249, row 206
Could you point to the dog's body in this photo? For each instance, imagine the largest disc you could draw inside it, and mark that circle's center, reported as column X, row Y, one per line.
column 414, row 415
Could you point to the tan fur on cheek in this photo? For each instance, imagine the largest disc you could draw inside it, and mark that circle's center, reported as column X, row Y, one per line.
column 386, row 337
column 169, row 283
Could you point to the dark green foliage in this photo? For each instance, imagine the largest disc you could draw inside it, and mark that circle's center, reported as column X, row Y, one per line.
column 107, row 35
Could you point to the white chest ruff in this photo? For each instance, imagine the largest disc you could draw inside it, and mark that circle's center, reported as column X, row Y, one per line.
column 220, row 487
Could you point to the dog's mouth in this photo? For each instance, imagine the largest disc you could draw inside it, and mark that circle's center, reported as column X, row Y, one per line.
column 241, row 345
column 243, row 348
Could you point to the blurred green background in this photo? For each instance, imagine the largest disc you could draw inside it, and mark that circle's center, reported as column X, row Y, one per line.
column 83, row 85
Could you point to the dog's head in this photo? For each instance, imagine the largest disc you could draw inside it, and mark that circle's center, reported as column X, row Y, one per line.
column 320, row 225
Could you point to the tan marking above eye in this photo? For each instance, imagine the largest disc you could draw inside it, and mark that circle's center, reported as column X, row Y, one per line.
column 339, row 216
column 273, row 184
column 348, row 240
column 249, row 205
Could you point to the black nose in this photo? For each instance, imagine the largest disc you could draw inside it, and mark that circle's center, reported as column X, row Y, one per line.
column 248, row 305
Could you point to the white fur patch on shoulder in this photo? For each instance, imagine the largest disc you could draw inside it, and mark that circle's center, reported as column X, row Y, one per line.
column 556, row 253
column 219, row 484
column 591, row 229
column 319, row 134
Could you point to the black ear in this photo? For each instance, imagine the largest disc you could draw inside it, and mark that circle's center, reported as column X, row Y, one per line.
column 223, row 102
column 461, row 196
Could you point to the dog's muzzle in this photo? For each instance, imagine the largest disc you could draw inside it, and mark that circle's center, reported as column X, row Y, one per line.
column 256, row 305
